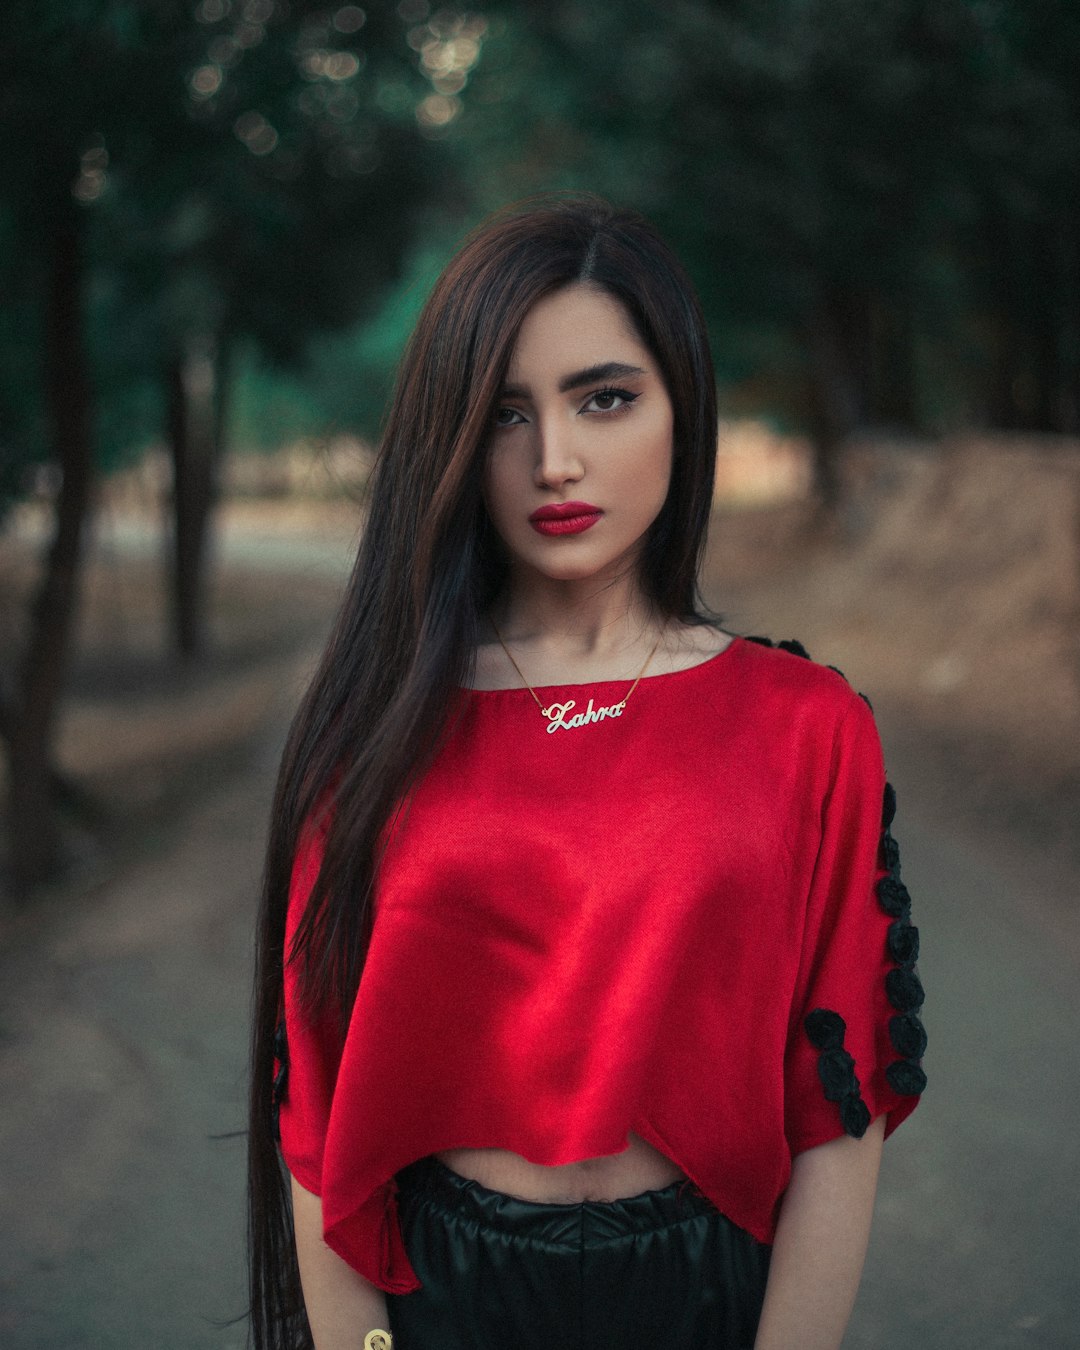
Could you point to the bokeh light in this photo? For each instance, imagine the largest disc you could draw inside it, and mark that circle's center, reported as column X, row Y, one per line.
column 205, row 81
column 92, row 178
column 437, row 111
column 212, row 11
column 349, row 19
column 256, row 132
column 224, row 50
column 449, row 47
column 340, row 65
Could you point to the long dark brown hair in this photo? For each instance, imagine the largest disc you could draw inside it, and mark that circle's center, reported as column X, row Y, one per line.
column 428, row 568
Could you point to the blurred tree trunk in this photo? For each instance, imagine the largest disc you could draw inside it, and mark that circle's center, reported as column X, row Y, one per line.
column 893, row 393
column 1005, row 360
column 34, row 843
column 835, row 391
column 67, row 794
column 1070, row 414
column 1057, row 347
column 195, row 385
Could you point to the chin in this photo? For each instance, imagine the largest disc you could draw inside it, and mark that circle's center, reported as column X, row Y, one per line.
column 600, row 570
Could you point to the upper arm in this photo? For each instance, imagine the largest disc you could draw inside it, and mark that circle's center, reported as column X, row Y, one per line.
column 844, row 1169
column 820, row 1245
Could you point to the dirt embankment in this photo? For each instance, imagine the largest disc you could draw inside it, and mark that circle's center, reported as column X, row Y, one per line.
column 951, row 591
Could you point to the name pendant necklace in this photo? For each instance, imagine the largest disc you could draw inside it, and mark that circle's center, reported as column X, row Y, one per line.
column 557, row 714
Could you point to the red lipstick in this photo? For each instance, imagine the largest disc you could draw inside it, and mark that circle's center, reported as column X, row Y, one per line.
column 565, row 517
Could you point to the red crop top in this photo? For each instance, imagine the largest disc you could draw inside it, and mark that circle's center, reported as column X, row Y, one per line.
column 664, row 922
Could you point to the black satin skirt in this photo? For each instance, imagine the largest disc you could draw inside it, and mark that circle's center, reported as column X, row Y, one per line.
column 664, row 1268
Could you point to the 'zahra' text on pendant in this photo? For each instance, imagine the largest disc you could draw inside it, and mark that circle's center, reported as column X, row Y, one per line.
column 559, row 719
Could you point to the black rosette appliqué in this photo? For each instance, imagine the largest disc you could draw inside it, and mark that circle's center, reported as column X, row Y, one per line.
column 825, row 1029
column 906, row 1078
column 903, row 943
column 904, row 989
column 902, row 985
column 893, row 897
column 854, row 1116
column 908, row 1035
column 836, row 1069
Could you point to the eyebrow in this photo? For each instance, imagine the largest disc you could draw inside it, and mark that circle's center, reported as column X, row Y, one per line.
column 598, row 374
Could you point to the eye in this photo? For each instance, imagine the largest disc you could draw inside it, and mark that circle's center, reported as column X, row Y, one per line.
column 609, row 401
column 508, row 417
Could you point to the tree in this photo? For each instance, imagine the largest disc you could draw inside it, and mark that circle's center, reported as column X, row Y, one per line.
column 292, row 172
column 222, row 169
column 43, row 142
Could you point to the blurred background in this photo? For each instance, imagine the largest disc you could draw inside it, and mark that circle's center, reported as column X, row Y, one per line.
column 218, row 222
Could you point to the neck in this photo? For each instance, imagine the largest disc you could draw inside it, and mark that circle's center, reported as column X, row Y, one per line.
column 587, row 618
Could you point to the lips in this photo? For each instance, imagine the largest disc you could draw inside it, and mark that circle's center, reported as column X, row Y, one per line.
column 565, row 517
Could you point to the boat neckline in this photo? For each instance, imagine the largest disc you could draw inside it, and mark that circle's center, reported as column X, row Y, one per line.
column 736, row 639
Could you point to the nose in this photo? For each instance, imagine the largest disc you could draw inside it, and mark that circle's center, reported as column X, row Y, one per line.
column 557, row 459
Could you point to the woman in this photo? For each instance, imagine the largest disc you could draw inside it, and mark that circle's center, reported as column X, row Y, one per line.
column 585, row 990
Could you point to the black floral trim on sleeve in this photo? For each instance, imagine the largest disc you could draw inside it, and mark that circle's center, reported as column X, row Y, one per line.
column 893, row 897
column 904, row 989
column 906, row 1078
column 281, row 1077
column 903, row 942
column 836, row 1069
column 826, row 1029
column 792, row 645
column 908, row 1035
column 902, row 985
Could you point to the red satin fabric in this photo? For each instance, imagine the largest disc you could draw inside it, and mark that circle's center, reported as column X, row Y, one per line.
column 617, row 927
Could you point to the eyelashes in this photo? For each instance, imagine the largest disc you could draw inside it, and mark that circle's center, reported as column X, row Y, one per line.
column 624, row 394
column 625, row 397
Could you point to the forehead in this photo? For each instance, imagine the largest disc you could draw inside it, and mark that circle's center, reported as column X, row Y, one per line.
column 575, row 327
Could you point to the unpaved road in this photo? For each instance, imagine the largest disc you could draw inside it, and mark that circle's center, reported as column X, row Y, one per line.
column 123, row 1019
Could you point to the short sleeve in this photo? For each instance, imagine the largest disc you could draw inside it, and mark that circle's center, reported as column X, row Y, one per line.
column 309, row 1049
column 855, row 1040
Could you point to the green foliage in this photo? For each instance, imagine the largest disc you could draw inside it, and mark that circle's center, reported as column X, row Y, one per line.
column 352, row 375
column 889, row 182
column 242, row 171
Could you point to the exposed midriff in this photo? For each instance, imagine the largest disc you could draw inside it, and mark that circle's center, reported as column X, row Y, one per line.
column 612, row 1177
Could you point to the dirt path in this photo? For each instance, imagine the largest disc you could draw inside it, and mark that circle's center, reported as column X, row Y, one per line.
column 124, row 1012
column 124, row 1056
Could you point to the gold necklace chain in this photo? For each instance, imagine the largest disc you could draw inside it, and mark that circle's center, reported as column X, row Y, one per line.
column 556, row 711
